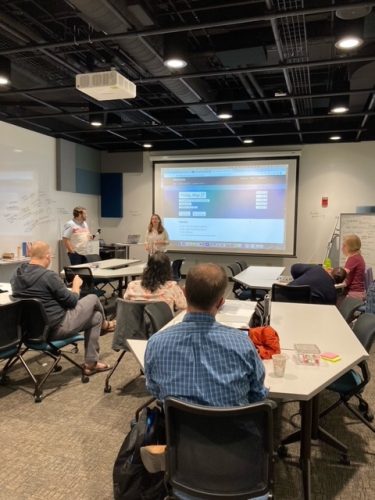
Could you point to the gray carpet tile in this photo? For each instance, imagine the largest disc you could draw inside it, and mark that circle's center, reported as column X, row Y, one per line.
column 65, row 447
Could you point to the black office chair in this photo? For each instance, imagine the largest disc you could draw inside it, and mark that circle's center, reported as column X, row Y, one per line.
column 36, row 336
column 219, row 453
column 132, row 323
column 243, row 265
column 348, row 308
column 284, row 293
column 159, row 314
column 89, row 284
column 10, row 337
column 234, row 268
column 176, row 269
column 353, row 382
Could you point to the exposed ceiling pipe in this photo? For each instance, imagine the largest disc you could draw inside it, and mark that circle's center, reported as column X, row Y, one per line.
column 366, row 117
column 106, row 17
column 188, row 27
column 289, row 86
column 256, row 120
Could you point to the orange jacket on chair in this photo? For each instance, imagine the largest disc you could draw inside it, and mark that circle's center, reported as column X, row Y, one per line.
column 266, row 341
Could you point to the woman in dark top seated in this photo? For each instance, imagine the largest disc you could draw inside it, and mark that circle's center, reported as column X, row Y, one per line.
column 321, row 282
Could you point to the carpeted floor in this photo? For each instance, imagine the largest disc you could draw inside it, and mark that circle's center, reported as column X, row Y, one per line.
column 65, row 447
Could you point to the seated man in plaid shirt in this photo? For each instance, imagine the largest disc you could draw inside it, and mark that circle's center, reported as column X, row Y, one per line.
column 200, row 360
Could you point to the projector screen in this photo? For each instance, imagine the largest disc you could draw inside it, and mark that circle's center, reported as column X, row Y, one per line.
column 245, row 206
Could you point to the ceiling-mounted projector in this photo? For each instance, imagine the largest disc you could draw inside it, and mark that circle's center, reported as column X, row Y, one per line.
column 106, row 85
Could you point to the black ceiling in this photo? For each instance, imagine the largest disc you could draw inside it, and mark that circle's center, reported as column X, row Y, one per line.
column 239, row 52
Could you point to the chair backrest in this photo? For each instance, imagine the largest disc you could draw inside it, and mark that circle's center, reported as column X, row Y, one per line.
column 93, row 257
column 348, row 306
column 176, row 269
column 84, row 273
column 219, row 452
column 364, row 329
column 234, row 268
column 370, row 299
column 284, row 293
column 131, row 322
column 369, row 277
column 34, row 321
column 10, row 328
column 159, row 314
column 243, row 265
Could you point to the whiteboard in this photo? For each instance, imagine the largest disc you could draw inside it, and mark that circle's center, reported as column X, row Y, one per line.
column 363, row 225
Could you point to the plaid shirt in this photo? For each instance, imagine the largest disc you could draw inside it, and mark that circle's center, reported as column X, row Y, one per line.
column 204, row 362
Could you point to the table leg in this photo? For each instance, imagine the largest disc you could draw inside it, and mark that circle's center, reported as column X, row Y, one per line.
column 305, row 453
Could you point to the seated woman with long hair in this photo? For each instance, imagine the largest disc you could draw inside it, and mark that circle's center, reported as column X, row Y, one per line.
column 156, row 284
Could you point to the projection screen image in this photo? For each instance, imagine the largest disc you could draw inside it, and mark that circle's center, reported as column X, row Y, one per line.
column 242, row 206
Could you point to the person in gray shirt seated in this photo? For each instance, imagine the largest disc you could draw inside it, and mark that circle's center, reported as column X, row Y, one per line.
column 321, row 281
column 66, row 313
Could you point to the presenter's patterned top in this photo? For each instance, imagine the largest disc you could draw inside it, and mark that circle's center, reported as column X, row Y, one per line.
column 78, row 233
column 170, row 293
column 201, row 361
column 153, row 237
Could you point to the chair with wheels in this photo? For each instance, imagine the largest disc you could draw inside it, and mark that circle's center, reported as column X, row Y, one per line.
column 36, row 336
column 352, row 383
column 89, row 284
column 300, row 294
column 159, row 314
column 234, row 268
column 219, row 453
column 176, row 269
column 10, row 337
column 348, row 308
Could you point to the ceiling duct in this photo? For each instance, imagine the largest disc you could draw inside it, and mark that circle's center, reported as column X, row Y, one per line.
column 110, row 17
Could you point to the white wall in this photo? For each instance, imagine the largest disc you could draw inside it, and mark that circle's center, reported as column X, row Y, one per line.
column 30, row 206
column 343, row 172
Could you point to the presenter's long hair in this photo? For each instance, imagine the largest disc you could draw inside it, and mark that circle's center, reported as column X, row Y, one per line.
column 157, row 272
column 160, row 228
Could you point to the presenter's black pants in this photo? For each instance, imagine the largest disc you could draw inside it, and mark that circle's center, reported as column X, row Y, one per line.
column 76, row 258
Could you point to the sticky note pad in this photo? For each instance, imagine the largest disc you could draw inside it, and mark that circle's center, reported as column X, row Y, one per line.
column 330, row 356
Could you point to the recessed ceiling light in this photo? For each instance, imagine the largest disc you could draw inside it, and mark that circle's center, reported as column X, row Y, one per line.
column 147, row 145
column 4, row 80
column 280, row 93
column 96, row 123
column 17, row 150
column 248, row 141
column 335, row 137
column 175, row 63
column 339, row 109
column 224, row 116
column 348, row 42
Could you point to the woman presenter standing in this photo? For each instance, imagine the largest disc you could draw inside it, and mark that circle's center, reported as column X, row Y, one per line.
column 157, row 237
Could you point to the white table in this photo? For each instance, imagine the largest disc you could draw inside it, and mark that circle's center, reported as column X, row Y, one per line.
column 114, row 270
column 259, row 277
column 298, row 323
column 5, row 296
column 108, row 264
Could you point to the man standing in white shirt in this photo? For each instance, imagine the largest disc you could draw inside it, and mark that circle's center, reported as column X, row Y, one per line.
column 76, row 236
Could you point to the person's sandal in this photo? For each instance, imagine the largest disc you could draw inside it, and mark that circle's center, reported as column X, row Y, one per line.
column 108, row 326
column 96, row 368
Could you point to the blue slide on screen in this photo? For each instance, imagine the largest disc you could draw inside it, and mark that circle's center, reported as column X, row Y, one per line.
column 246, row 206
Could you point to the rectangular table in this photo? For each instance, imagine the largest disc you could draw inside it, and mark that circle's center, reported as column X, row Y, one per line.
column 298, row 323
column 8, row 267
column 259, row 277
column 108, row 264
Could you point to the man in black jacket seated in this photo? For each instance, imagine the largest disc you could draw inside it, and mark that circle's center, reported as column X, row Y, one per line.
column 322, row 282
column 66, row 313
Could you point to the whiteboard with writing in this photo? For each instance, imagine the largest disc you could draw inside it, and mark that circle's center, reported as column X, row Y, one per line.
column 363, row 225
column 31, row 208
